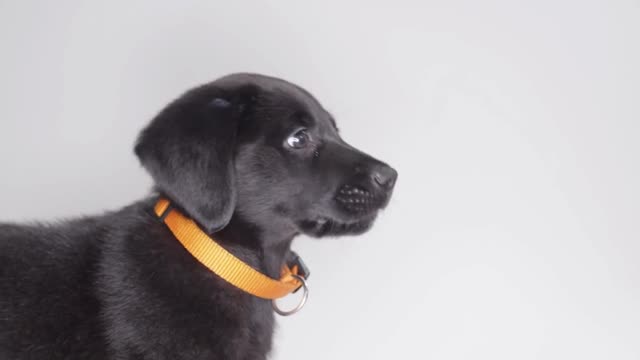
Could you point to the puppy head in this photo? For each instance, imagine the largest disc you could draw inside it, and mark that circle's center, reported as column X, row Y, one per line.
column 265, row 150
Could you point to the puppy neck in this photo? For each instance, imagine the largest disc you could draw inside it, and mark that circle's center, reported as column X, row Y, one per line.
column 264, row 247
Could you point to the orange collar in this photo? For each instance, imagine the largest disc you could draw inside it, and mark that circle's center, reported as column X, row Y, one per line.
column 223, row 263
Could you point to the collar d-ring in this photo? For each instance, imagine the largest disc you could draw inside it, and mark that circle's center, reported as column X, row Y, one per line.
column 303, row 300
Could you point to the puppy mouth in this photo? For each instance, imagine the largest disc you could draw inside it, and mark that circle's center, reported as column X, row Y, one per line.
column 358, row 201
column 326, row 226
column 357, row 209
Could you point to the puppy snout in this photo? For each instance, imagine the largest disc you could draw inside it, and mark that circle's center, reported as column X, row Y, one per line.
column 369, row 190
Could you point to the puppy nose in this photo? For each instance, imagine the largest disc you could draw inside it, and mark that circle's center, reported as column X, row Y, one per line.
column 384, row 176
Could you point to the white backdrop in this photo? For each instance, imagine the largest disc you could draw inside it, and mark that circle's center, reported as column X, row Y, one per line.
column 514, row 232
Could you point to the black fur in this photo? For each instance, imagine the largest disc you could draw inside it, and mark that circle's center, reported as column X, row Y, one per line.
column 120, row 286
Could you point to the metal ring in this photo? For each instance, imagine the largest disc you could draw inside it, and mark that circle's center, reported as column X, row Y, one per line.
column 303, row 301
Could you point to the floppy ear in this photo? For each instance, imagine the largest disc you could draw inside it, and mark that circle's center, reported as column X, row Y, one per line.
column 188, row 149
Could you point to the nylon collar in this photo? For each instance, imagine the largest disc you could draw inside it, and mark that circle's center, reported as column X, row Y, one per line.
column 224, row 264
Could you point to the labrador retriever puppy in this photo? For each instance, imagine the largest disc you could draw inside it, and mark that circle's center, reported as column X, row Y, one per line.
column 254, row 161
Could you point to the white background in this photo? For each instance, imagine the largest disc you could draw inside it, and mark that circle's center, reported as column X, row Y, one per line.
column 514, row 232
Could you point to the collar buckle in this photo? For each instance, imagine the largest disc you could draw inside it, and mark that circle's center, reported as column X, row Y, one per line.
column 303, row 270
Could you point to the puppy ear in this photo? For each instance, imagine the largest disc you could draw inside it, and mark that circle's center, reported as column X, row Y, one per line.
column 189, row 148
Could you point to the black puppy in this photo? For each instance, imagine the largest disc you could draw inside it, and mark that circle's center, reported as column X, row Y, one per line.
column 255, row 161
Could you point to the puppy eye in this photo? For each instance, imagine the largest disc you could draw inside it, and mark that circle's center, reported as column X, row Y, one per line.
column 299, row 139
